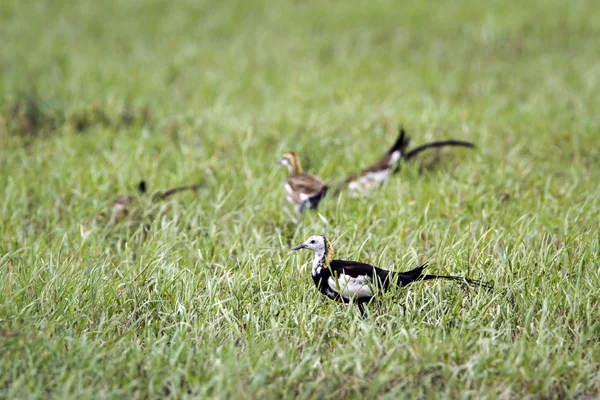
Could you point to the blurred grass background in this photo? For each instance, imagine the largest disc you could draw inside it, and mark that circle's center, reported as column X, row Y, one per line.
column 96, row 96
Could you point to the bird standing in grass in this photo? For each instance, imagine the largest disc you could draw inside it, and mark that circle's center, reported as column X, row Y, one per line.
column 373, row 176
column 122, row 204
column 347, row 281
column 304, row 191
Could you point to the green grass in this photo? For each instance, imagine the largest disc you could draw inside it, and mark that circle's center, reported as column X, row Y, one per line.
column 210, row 303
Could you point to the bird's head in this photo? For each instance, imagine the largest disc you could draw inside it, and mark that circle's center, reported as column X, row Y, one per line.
column 319, row 244
column 292, row 162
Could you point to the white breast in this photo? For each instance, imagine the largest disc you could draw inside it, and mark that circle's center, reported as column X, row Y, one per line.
column 351, row 287
column 292, row 197
column 289, row 193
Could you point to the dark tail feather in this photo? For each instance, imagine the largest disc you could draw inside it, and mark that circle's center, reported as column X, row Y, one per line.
column 473, row 282
column 401, row 143
column 404, row 278
column 454, row 143
column 142, row 187
column 170, row 192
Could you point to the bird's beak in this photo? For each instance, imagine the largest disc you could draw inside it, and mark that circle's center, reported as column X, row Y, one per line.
column 300, row 246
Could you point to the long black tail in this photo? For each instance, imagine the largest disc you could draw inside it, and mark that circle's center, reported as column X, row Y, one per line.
column 462, row 279
column 405, row 278
column 454, row 143
column 401, row 143
column 170, row 192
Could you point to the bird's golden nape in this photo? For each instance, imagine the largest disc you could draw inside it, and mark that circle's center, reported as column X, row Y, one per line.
column 328, row 251
column 293, row 162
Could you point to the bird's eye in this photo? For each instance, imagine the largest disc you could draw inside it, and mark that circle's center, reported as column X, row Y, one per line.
column 312, row 241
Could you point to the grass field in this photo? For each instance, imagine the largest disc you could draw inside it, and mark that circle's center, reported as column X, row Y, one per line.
column 210, row 302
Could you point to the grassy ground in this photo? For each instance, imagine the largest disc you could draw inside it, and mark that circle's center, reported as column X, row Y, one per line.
column 209, row 302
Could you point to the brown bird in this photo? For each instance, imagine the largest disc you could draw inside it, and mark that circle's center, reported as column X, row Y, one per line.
column 376, row 174
column 304, row 191
column 373, row 176
column 122, row 204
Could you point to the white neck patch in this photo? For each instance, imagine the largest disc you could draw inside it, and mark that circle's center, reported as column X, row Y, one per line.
column 318, row 262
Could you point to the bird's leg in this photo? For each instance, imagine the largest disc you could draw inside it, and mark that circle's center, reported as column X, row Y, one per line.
column 303, row 206
column 362, row 309
column 403, row 310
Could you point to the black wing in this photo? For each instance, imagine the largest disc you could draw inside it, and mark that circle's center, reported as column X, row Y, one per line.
column 355, row 269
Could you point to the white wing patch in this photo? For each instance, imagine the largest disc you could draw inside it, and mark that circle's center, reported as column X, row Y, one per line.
column 351, row 287
column 395, row 157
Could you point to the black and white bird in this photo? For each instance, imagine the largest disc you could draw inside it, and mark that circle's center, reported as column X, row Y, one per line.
column 304, row 191
column 368, row 178
column 354, row 281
